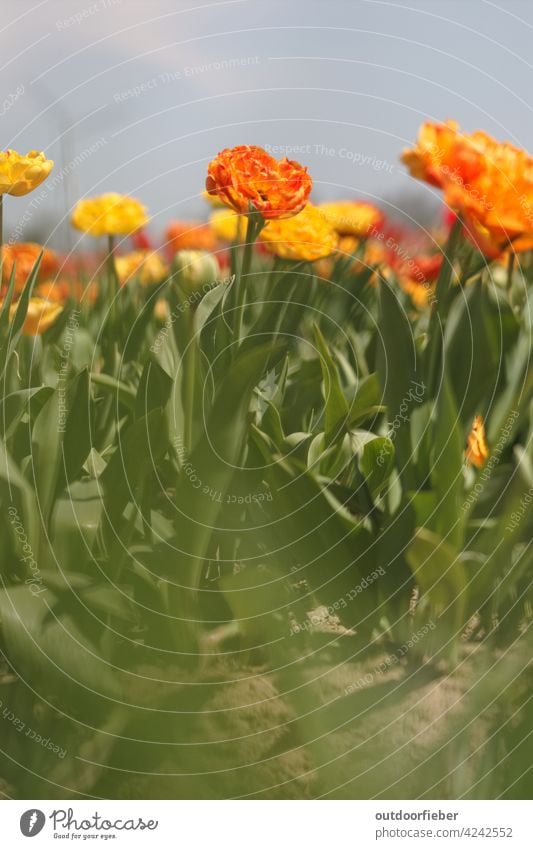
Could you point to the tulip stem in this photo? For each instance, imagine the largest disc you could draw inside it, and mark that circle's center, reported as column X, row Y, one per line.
column 510, row 271
column 190, row 382
column 111, row 279
column 254, row 227
column 439, row 312
column 1, row 239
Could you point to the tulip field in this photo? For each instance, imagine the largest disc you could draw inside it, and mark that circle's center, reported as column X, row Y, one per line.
column 266, row 482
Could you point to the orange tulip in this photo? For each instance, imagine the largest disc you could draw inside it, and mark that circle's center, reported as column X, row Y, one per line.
column 420, row 292
column 61, row 290
column 24, row 255
column 189, row 235
column 488, row 183
column 477, row 450
column 374, row 257
column 442, row 153
column 247, row 178
column 417, row 277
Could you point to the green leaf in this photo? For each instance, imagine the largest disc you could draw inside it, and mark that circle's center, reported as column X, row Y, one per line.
column 271, row 424
column 282, row 307
column 315, row 451
column 136, row 330
column 208, row 305
column 61, row 440
column 212, row 464
column 447, row 467
column 17, row 404
column 154, row 389
column 17, row 491
column 336, row 407
column 76, row 442
column 424, row 502
column 367, row 400
column 440, row 574
column 398, row 369
column 6, row 305
column 377, row 462
column 433, row 353
column 82, row 349
column 281, row 385
column 123, row 393
column 139, row 448
column 471, row 353
column 22, row 304
column 45, row 458
column 253, row 595
column 75, row 521
column 421, row 438
column 94, row 464
column 314, row 537
column 515, row 394
column 53, row 653
column 396, row 587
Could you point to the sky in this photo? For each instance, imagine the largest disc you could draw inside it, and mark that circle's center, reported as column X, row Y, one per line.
column 136, row 96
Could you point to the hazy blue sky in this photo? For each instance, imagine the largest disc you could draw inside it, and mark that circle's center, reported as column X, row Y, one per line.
column 147, row 92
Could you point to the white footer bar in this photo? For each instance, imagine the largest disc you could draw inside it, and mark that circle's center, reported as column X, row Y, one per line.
column 267, row 824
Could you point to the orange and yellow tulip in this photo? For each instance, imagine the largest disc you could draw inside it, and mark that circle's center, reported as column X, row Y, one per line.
column 40, row 316
column 488, row 183
column 247, row 178
column 477, row 450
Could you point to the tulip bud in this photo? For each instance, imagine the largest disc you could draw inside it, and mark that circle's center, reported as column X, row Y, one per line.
column 194, row 271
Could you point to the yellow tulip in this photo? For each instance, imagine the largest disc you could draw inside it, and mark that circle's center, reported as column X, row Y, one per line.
column 21, row 174
column 353, row 218
column 161, row 310
column 228, row 226
column 40, row 316
column 148, row 266
column 213, row 200
column 109, row 215
column 307, row 236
